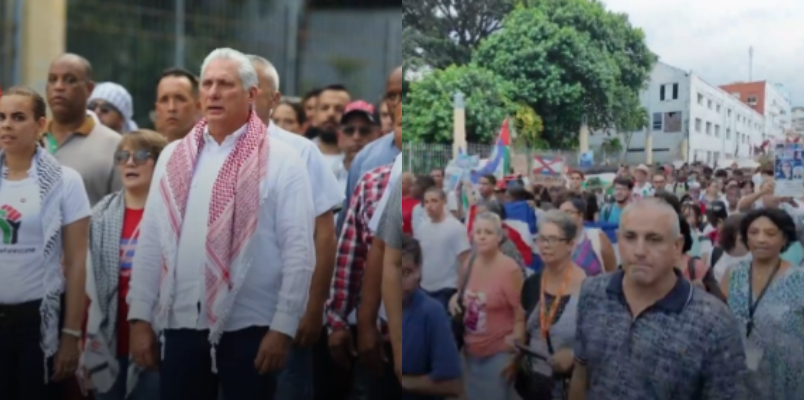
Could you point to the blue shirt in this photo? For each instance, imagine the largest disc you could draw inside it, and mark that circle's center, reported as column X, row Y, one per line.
column 429, row 345
column 380, row 152
column 611, row 213
column 687, row 346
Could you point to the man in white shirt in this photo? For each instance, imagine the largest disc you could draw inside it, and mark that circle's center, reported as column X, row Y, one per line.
column 445, row 247
column 226, row 286
column 642, row 188
column 296, row 381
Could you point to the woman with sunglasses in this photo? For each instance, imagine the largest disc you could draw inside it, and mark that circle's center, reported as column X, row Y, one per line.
column 113, row 241
column 44, row 222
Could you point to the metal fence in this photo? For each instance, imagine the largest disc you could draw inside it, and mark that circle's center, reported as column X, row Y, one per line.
column 421, row 158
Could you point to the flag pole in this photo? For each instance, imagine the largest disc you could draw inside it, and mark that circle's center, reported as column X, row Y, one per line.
column 459, row 124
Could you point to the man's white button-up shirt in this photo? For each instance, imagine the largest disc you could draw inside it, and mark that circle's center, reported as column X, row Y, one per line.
column 276, row 287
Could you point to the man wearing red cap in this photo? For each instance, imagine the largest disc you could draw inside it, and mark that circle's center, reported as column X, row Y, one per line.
column 358, row 128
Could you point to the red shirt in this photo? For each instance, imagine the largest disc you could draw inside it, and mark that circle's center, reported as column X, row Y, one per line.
column 408, row 203
column 128, row 243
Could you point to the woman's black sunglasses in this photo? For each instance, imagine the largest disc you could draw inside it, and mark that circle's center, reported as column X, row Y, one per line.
column 140, row 156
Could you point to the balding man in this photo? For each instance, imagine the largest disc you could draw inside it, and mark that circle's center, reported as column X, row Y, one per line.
column 645, row 332
column 296, row 381
column 75, row 138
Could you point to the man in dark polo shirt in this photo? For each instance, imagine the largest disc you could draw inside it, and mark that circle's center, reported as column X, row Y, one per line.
column 645, row 332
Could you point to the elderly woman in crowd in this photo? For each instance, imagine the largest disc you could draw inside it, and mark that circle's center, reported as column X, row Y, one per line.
column 550, row 301
column 765, row 294
column 493, row 318
column 113, row 241
column 512, row 240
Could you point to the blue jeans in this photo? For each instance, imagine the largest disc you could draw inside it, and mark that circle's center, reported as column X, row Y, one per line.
column 147, row 385
column 296, row 379
column 186, row 368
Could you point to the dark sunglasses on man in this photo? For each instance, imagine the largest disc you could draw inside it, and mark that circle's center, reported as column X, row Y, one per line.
column 140, row 157
column 349, row 130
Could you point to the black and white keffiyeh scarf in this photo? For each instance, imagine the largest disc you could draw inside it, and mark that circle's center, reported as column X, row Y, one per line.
column 48, row 173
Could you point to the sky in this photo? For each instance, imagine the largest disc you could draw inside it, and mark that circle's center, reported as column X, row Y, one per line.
column 712, row 38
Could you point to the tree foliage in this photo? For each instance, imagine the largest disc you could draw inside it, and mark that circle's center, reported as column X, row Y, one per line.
column 569, row 59
column 446, row 31
column 488, row 100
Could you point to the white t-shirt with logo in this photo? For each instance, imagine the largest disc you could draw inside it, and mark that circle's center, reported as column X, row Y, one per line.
column 22, row 241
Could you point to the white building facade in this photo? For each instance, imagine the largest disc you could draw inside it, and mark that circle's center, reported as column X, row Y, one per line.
column 778, row 111
column 797, row 120
column 690, row 120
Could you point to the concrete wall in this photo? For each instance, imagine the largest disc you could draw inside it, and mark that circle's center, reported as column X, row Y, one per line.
column 355, row 48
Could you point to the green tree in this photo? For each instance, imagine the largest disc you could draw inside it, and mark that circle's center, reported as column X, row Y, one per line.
column 488, row 101
column 570, row 59
column 411, row 59
column 445, row 32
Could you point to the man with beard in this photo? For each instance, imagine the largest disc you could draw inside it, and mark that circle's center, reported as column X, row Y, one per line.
column 330, row 108
column 622, row 196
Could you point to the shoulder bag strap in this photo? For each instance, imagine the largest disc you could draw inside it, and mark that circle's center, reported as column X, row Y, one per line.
column 466, row 277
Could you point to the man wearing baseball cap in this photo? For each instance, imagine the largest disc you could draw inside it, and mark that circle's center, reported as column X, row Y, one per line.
column 642, row 188
column 359, row 127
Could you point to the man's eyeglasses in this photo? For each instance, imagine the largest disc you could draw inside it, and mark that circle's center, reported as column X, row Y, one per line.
column 361, row 130
column 140, row 157
column 393, row 97
column 102, row 108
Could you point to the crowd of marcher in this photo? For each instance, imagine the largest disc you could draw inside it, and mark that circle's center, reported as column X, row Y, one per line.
column 697, row 294
column 253, row 248
column 220, row 255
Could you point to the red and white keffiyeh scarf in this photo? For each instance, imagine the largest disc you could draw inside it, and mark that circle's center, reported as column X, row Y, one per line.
column 233, row 213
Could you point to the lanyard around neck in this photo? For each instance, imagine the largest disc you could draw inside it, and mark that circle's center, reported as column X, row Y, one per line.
column 753, row 304
column 51, row 143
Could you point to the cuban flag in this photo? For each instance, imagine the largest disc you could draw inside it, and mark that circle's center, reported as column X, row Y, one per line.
column 519, row 225
column 499, row 162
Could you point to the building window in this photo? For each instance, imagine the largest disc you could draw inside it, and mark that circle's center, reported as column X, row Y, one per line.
column 697, row 125
column 728, row 112
column 717, row 108
column 751, row 100
column 708, row 128
column 717, row 130
column 672, row 122
column 709, row 104
column 700, row 99
column 728, row 133
column 657, row 121
column 675, row 91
